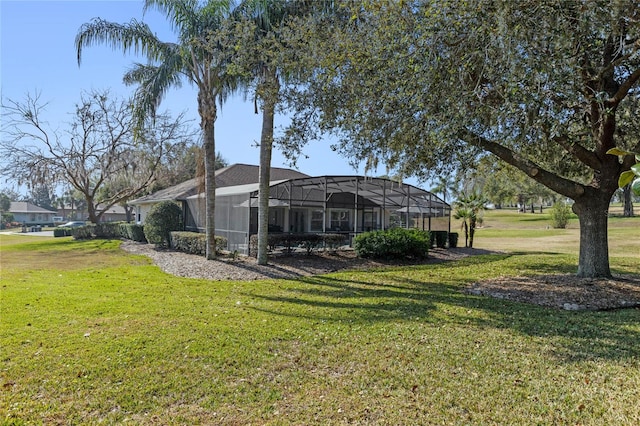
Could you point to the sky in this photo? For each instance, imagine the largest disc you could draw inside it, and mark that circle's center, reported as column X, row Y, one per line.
column 37, row 55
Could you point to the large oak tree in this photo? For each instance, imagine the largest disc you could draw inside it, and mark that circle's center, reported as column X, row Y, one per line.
column 542, row 85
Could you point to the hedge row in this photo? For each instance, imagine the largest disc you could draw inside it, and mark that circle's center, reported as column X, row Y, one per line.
column 194, row 242
column 290, row 241
column 132, row 231
column 108, row 230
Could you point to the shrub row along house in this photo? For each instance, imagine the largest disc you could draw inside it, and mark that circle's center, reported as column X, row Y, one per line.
column 300, row 203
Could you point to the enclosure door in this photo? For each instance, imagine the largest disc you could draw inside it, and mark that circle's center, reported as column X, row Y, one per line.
column 370, row 220
column 298, row 220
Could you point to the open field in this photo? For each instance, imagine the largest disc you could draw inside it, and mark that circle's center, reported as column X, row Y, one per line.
column 506, row 230
column 92, row 335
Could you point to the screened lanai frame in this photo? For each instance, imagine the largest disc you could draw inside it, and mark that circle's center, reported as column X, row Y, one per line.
column 348, row 205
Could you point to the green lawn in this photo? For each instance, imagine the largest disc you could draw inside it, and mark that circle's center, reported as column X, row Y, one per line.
column 507, row 230
column 92, row 335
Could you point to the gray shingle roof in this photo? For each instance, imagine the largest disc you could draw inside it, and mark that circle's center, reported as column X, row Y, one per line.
column 24, row 207
column 236, row 174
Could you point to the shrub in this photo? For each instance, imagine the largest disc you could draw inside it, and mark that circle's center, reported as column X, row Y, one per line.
column 189, row 242
column 62, row 232
column 163, row 218
column 441, row 238
column 333, row 241
column 195, row 242
column 82, row 232
column 132, row 231
column 560, row 213
column 289, row 241
column 310, row 242
column 108, row 230
column 397, row 243
column 453, row 239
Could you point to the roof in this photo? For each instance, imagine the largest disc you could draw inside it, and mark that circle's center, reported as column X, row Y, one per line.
column 234, row 175
column 248, row 188
column 378, row 191
column 316, row 191
column 242, row 174
column 24, row 207
column 177, row 192
column 115, row 209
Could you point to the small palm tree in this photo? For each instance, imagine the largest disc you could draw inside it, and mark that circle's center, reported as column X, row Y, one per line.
column 467, row 208
column 464, row 214
column 191, row 58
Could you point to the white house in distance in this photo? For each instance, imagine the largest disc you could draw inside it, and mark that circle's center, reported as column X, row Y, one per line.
column 29, row 214
column 300, row 203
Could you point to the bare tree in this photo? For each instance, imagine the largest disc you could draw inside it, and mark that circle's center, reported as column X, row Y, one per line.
column 96, row 153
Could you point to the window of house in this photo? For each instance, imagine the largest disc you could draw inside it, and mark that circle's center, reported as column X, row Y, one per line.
column 340, row 220
column 370, row 220
column 316, row 220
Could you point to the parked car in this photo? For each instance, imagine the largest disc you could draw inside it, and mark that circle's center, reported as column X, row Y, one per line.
column 72, row 224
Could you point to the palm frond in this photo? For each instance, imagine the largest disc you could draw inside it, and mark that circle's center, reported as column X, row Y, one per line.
column 133, row 36
column 153, row 84
column 189, row 18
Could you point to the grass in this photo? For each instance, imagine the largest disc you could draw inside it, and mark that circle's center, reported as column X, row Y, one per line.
column 506, row 230
column 92, row 335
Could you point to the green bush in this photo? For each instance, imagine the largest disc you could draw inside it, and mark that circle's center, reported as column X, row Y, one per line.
column 107, row 230
column 333, row 241
column 195, row 242
column 453, row 239
column 82, row 232
column 132, row 231
column 441, row 238
column 62, row 232
column 163, row 218
column 397, row 243
column 290, row 241
column 560, row 213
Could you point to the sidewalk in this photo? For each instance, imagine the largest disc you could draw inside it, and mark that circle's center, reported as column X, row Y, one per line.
column 32, row 234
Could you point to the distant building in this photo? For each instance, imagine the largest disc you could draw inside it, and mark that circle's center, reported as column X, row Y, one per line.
column 30, row 214
column 112, row 214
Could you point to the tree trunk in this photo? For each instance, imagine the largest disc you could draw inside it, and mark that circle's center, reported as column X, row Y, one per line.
column 466, row 234
column 627, row 202
column 208, row 111
column 91, row 211
column 270, row 93
column 594, row 246
column 472, row 230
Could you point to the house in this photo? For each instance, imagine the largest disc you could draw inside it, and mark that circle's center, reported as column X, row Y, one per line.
column 29, row 214
column 236, row 174
column 114, row 213
column 346, row 205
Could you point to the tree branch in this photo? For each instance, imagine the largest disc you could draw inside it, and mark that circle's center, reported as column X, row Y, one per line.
column 582, row 154
column 624, row 88
column 558, row 184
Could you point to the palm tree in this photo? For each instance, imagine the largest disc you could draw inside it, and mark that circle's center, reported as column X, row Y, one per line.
column 464, row 214
column 445, row 186
column 198, row 56
column 467, row 208
column 264, row 63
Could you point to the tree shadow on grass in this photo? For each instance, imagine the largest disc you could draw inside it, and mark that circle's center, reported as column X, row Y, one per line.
column 424, row 293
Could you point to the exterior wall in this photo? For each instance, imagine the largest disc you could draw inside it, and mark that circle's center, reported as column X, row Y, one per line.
column 141, row 212
column 34, row 218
